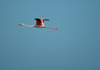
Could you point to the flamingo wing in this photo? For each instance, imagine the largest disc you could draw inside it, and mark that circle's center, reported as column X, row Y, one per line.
column 40, row 21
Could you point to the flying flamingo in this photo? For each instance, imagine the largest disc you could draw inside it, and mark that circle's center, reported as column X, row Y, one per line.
column 39, row 24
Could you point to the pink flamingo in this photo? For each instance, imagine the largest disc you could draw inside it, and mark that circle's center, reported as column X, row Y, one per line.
column 39, row 24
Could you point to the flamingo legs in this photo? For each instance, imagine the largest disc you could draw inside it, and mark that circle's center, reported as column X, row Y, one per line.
column 49, row 27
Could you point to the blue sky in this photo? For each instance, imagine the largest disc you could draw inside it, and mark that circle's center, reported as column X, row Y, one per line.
column 74, row 46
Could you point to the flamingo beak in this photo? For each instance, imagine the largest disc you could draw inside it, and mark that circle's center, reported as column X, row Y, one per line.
column 20, row 24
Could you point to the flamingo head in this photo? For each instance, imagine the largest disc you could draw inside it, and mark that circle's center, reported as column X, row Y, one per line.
column 21, row 24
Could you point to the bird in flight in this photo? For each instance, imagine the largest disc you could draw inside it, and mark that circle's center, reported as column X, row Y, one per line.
column 39, row 24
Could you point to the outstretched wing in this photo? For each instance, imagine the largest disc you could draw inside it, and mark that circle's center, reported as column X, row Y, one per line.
column 46, row 19
column 40, row 21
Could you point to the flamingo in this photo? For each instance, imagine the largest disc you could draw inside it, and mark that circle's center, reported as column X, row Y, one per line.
column 39, row 24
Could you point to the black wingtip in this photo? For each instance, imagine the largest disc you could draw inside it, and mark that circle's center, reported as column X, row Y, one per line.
column 47, row 19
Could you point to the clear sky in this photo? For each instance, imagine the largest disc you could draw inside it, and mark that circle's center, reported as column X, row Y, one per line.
column 74, row 46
